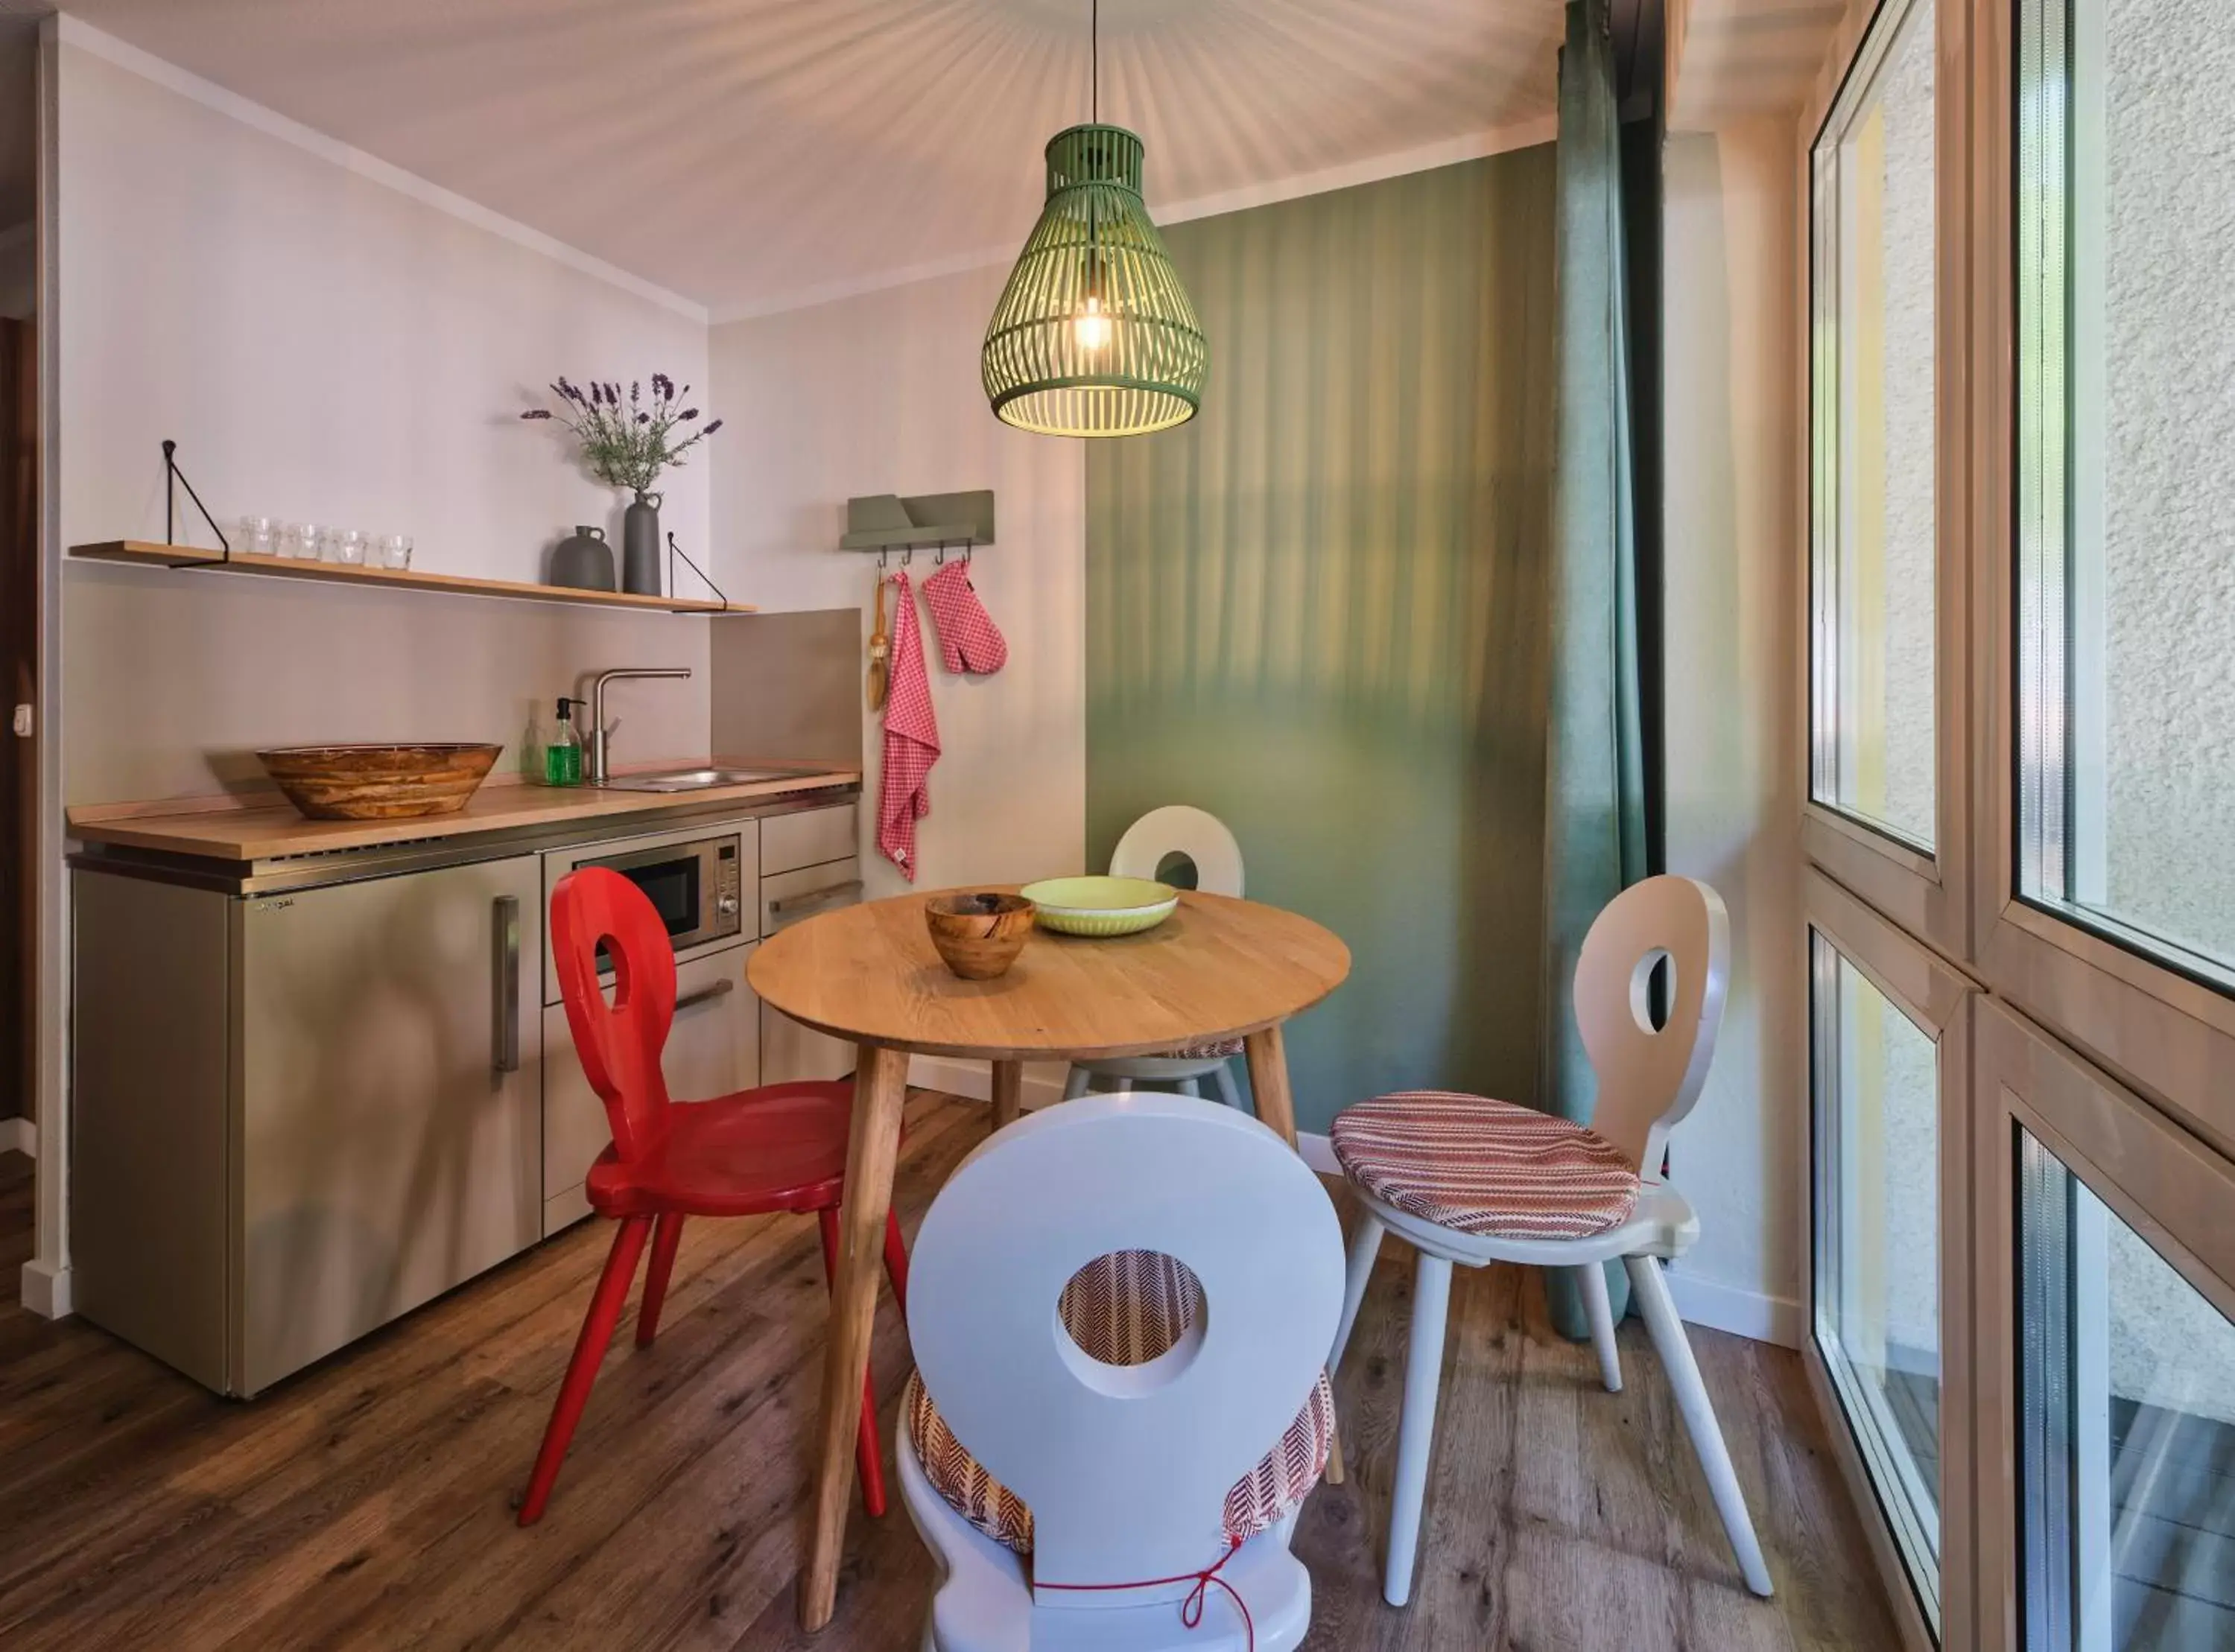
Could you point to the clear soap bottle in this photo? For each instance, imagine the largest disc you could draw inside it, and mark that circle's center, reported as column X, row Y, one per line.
column 563, row 749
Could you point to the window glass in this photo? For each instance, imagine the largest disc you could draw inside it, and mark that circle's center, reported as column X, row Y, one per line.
column 2127, row 1380
column 1874, row 480
column 1877, row 1270
column 2127, row 497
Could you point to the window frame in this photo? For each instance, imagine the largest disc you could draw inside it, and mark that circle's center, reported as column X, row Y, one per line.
column 2129, row 1063
column 2161, row 1029
column 1926, row 890
column 1938, row 998
column 2167, row 1185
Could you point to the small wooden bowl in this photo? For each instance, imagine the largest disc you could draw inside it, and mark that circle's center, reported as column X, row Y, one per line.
column 378, row 782
column 978, row 934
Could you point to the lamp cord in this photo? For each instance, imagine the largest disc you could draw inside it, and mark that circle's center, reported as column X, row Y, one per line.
column 1094, row 61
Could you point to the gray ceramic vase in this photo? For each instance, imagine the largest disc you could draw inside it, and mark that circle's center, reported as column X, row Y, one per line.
column 583, row 561
column 640, row 546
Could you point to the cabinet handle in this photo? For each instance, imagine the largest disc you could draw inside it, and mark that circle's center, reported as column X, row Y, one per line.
column 707, row 993
column 504, row 1028
column 813, row 898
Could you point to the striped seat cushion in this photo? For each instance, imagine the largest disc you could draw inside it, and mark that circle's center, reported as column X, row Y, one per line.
column 1476, row 1166
column 1216, row 1050
column 1124, row 1309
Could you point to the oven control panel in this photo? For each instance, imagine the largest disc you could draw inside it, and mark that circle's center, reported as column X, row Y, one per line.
column 729, row 902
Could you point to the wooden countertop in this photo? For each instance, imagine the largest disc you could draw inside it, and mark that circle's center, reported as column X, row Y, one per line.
column 221, row 829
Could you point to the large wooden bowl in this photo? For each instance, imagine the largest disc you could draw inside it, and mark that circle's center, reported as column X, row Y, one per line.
column 378, row 782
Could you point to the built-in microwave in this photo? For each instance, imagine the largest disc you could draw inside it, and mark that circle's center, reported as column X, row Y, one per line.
column 693, row 886
column 697, row 881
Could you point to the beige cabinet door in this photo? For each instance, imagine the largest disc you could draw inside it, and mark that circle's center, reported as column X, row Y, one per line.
column 790, row 1051
column 389, row 1143
column 712, row 1049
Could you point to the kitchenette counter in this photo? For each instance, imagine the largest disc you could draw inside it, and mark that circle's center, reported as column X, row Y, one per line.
column 222, row 829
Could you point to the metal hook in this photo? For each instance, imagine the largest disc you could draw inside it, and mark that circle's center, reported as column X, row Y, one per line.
column 939, row 557
column 881, row 558
column 907, row 555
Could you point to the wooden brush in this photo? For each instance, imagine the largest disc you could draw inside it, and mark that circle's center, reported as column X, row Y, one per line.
column 879, row 647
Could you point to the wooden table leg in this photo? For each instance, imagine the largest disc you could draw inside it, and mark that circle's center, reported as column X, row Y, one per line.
column 1268, row 1055
column 1008, row 1093
column 872, row 1151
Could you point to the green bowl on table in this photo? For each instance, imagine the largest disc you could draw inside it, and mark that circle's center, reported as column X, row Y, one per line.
column 1100, row 907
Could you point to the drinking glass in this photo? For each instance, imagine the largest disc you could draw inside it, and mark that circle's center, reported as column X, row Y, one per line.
column 392, row 551
column 255, row 535
column 300, row 540
column 344, row 546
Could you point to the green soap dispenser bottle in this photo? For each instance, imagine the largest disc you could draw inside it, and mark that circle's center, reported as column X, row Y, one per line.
column 562, row 751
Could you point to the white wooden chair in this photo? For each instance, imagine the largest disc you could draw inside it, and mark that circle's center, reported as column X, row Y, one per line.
column 1203, row 839
column 1474, row 1181
column 1114, row 1486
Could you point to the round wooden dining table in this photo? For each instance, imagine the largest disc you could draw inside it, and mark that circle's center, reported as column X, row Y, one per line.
column 1217, row 969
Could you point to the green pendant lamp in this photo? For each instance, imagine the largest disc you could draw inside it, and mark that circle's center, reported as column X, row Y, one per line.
column 1094, row 334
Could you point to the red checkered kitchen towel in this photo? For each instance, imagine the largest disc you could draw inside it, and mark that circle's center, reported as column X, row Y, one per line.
column 969, row 639
column 911, row 739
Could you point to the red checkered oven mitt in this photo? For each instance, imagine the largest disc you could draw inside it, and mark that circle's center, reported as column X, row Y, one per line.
column 969, row 639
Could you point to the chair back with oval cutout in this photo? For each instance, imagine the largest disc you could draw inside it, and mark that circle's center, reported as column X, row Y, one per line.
column 1178, row 829
column 1649, row 1079
column 619, row 1042
column 1125, row 1468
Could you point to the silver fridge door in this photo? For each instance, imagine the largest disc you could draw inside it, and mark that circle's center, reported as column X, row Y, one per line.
column 390, row 1141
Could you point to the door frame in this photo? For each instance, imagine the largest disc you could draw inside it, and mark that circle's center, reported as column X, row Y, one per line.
column 45, row 1280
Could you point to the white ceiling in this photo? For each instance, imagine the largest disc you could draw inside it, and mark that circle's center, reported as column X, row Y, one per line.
column 752, row 154
column 1738, row 58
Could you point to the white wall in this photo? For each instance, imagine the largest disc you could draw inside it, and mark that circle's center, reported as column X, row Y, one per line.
column 879, row 394
column 323, row 345
column 1732, row 716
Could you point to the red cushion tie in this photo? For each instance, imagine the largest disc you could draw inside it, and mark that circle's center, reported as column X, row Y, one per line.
column 1191, row 1608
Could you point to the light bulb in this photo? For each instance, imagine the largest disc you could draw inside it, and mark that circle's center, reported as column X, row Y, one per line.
column 1092, row 327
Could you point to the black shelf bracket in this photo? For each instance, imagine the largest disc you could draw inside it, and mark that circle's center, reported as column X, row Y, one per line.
column 175, row 478
column 721, row 597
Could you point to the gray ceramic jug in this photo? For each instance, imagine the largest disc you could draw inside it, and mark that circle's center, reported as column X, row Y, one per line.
column 640, row 546
column 583, row 561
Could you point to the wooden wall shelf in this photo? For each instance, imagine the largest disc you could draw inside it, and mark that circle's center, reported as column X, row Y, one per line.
column 141, row 553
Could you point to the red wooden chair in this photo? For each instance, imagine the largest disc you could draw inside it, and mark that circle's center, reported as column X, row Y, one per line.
column 780, row 1148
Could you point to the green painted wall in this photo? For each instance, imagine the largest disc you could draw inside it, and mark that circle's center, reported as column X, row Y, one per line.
column 1318, row 609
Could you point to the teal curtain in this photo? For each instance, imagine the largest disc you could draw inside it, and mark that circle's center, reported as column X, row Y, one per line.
column 1318, row 610
column 1595, row 832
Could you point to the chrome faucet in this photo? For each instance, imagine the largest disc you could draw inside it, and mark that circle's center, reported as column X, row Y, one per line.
column 598, row 775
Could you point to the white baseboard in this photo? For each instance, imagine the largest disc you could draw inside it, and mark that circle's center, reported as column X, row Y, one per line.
column 1043, row 1080
column 19, row 1135
column 46, row 1290
column 1317, row 1152
column 1775, row 1320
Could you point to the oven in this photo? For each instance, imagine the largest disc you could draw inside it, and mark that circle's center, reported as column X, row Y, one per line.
column 701, row 884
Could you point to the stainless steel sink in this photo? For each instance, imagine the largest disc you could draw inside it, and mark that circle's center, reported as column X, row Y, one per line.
column 695, row 779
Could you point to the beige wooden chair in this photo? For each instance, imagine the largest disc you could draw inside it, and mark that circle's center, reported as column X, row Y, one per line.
column 1473, row 1181
column 1203, row 839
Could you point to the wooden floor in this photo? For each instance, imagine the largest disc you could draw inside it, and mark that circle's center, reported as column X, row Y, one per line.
column 363, row 1503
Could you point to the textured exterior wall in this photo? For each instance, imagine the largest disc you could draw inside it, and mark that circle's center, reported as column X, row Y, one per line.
column 1885, row 429
column 1906, row 243
column 2158, row 189
column 2168, row 527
